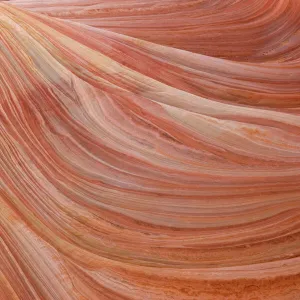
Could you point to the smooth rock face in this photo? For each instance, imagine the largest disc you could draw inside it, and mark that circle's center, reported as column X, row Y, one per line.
column 135, row 170
column 240, row 30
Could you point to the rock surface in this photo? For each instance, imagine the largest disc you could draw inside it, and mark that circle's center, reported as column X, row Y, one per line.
column 135, row 170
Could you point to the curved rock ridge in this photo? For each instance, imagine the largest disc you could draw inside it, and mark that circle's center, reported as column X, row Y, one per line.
column 240, row 30
column 133, row 170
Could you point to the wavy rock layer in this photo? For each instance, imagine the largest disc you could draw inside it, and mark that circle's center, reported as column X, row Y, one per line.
column 241, row 30
column 132, row 170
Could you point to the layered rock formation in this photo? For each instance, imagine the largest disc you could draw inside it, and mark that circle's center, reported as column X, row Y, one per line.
column 241, row 30
column 136, row 170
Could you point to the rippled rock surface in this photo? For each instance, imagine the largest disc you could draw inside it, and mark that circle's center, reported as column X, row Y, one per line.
column 150, row 150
